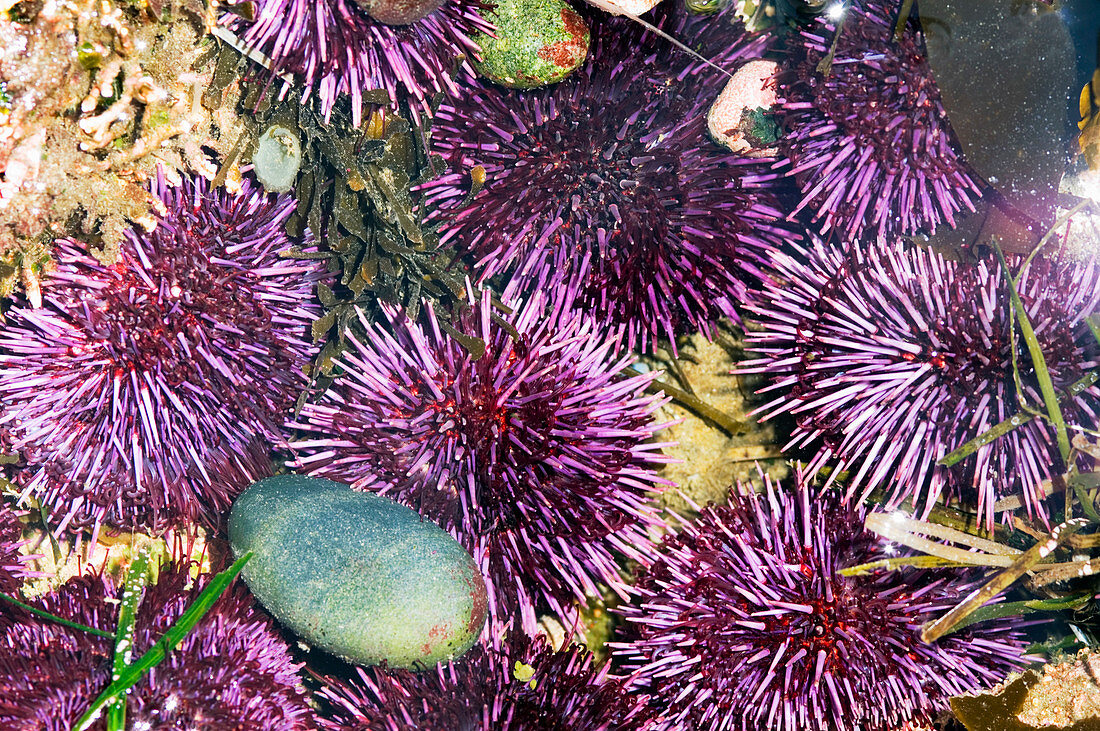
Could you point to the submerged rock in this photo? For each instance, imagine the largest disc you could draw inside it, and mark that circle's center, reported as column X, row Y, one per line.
column 356, row 574
column 1062, row 696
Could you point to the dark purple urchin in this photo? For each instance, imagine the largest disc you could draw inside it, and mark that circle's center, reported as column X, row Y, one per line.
column 145, row 393
column 537, row 456
column 517, row 684
column 890, row 357
column 744, row 624
column 232, row 671
column 613, row 164
column 869, row 142
column 335, row 48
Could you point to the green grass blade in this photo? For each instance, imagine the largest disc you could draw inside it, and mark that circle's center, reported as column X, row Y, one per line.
column 54, row 618
column 892, row 564
column 137, row 578
column 1093, row 322
column 175, row 634
column 1011, row 609
column 1038, row 362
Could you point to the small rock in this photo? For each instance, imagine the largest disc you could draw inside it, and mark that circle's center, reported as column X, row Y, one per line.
column 356, row 574
column 277, row 159
column 538, row 42
column 740, row 117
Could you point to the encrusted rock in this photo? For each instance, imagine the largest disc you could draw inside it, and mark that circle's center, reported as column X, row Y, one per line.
column 741, row 117
column 538, row 42
column 1065, row 695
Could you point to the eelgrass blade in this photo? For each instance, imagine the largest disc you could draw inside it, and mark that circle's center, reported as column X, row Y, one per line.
column 136, row 580
column 1012, row 609
column 1038, row 361
column 890, row 528
column 54, row 618
column 175, row 634
column 986, row 592
column 1016, row 420
column 897, row 562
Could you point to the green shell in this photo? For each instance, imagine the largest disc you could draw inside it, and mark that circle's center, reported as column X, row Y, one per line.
column 356, row 574
column 538, row 42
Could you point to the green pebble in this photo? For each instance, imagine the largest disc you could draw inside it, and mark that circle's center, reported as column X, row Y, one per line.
column 89, row 55
column 356, row 574
column 277, row 159
column 538, row 42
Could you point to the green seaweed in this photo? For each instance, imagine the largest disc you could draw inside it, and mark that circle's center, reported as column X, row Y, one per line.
column 59, row 620
column 1093, row 321
column 1038, row 361
column 954, row 619
column 760, row 127
column 1046, row 385
column 1016, row 420
column 136, row 580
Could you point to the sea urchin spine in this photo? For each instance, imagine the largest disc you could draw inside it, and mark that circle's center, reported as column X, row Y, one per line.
column 868, row 141
column 613, row 165
column 891, row 356
column 336, row 48
column 515, row 683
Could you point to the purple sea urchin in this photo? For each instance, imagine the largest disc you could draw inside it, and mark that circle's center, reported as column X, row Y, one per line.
column 868, row 142
column 336, row 48
column 744, row 623
column 144, row 393
column 613, row 162
column 518, row 684
column 891, row 357
column 232, row 671
column 534, row 455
